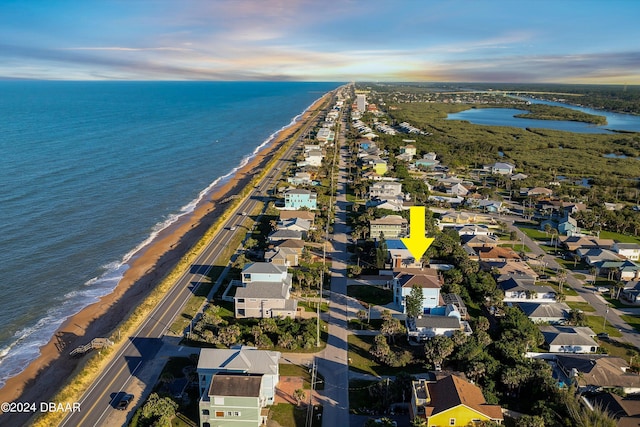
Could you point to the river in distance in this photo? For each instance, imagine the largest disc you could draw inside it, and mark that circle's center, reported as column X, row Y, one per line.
column 92, row 171
column 506, row 117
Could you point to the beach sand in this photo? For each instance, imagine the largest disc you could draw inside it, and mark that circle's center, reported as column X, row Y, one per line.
column 44, row 376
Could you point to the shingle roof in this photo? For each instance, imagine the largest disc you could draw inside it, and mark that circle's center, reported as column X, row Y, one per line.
column 263, row 268
column 235, row 385
column 452, row 391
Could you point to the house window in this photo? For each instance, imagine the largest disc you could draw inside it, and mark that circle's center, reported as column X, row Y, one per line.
column 452, row 421
column 240, row 300
column 229, row 413
column 219, row 414
column 247, row 278
column 205, row 412
column 241, row 312
column 236, row 414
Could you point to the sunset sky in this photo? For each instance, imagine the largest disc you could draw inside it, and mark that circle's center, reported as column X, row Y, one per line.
column 577, row 41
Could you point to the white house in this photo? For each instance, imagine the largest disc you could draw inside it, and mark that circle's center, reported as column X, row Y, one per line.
column 264, row 292
column 523, row 290
column 628, row 250
column 385, row 189
column 556, row 313
column 502, row 168
column 569, row 339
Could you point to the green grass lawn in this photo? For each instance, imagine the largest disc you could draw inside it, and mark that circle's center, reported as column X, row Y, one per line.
column 595, row 323
column 584, row 306
column 290, row 415
column 370, row 294
column 633, row 321
column 534, row 233
column 622, row 238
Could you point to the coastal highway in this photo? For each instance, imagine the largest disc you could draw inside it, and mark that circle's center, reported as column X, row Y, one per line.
column 138, row 351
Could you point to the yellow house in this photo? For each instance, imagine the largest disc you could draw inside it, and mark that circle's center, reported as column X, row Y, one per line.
column 380, row 167
column 451, row 402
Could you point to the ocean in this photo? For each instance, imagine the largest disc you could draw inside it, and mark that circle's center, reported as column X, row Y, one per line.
column 92, row 171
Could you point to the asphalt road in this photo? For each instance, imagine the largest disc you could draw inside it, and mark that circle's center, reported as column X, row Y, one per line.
column 138, row 351
column 332, row 362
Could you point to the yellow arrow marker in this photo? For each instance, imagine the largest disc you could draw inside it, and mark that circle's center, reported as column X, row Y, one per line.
column 417, row 243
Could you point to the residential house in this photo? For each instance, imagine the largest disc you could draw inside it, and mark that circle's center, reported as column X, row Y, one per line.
column 554, row 314
column 594, row 372
column 479, row 241
column 457, row 190
column 596, row 256
column 428, row 161
column 312, row 158
column 630, row 251
column 296, row 224
column 281, row 235
column 325, row 134
column 569, row 339
column 226, row 396
column 283, row 256
column 389, row 226
column 573, row 243
column 385, row 190
column 398, row 256
column 265, row 291
column 287, row 215
column 497, row 253
column 457, row 217
column 519, row 177
column 536, row 191
column 524, row 290
column 428, row 326
column 502, row 168
column 451, row 401
column 474, row 230
column 299, row 198
column 396, row 204
column 621, row 270
column 625, row 410
column 490, row 206
column 301, row 178
column 428, row 279
column 409, row 149
column 631, row 292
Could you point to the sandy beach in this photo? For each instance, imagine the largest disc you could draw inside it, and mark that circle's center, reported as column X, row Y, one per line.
column 44, row 376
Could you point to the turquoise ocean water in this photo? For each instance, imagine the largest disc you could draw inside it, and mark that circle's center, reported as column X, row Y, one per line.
column 92, row 171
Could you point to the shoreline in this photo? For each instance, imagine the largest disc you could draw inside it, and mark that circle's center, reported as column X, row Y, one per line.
column 52, row 369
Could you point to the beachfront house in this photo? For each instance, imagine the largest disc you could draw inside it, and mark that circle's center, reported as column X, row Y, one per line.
column 299, row 199
column 265, row 291
column 236, row 385
column 385, row 189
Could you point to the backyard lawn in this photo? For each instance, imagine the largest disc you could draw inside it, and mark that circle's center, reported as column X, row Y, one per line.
column 370, row 294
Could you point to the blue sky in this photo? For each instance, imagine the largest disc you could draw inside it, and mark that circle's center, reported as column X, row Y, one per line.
column 570, row 41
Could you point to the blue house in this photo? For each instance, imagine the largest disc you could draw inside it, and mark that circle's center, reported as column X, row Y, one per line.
column 298, row 199
column 427, row 278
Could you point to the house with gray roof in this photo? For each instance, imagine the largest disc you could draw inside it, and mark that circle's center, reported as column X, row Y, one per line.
column 236, row 385
column 524, row 290
column 569, row 339
column 545, row 313
column 594, row 372
column 265, row 291
column 630, row 251
column 427, row 326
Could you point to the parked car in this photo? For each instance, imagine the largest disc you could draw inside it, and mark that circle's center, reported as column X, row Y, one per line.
column 602, row 289
column 124, row 402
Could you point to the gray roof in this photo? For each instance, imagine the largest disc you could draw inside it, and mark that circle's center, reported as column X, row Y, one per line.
column 513, row 284
column 285, row 235
column 236, row 385
column 263, row 268
column 568, row 335
column 245, row 359
column 553, row 310
column 448, row 322
column 264, row 290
